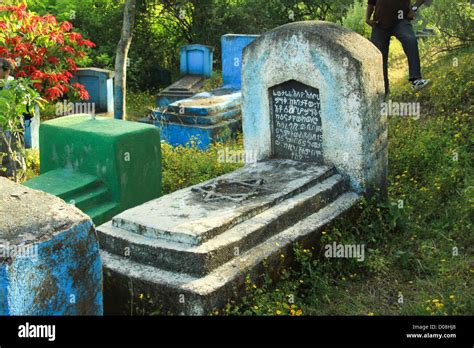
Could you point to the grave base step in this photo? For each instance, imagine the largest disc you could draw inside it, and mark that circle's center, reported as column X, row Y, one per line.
column 64, row 183
column 82, row 190
column 190, row 119
column 203, row 136
column 202, row 259
column 131, row 287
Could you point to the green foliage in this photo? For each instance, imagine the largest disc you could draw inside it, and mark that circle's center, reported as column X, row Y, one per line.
column 184, row 166
column 100, row 20
column 453, row 21
column 451, row 87
column 214, row 82
column 139, row 105
column 355, row 18
column 164, row 26
column 15, row 96
column 32, row 161
column 316, row 9
column 63, row 9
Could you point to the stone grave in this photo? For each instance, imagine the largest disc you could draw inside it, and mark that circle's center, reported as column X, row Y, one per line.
column 196, row 60
column 207, row 117
column 311, row 95
column 49, row 256
column 99, row 83
column 232, row 51
column 195, row 68
column 101, row 165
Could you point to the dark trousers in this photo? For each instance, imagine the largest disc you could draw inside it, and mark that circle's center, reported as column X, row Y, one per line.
column 403, row 31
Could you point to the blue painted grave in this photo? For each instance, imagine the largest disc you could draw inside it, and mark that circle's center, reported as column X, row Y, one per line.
column 49, row 256
column 31, row 134
column 195, row 67
column 99, row 85
column 232, row 48
column 196, row 60
column 208, row 117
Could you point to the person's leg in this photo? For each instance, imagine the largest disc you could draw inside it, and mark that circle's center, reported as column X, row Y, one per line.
column 404, row 32
column 381, row 39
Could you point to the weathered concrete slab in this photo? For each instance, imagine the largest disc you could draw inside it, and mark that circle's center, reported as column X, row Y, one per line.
column 187, row 83
column 201, row 259
column 183, row 294
column 184, row 88
column 183, row 216
column 205, row 104
column 49, row 256
column 214, row 119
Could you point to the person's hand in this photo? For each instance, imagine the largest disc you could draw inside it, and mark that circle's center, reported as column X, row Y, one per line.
column 411, row 15
column 371, row 22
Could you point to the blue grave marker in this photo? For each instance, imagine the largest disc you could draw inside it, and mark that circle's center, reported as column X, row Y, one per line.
column 49, row 256
column 196, row 60
column 232, row 48
column 98, row 82
column 207, row 117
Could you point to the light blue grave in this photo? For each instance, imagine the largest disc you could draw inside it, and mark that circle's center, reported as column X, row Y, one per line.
column 201, row 120
column 195, row 67
column 99, row 85
column 232, row 48
column 49, row 256
column 31, row 134
column 196, row 60
column 206, row 117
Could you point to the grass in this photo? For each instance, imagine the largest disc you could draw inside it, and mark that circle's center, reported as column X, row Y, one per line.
column 184, row 166
column 140, row 105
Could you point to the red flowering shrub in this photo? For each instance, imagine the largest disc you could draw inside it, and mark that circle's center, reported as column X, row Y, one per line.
column 46, row 51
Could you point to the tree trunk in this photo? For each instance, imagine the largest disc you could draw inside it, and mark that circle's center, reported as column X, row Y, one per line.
column 120, row 88
column 12, row 160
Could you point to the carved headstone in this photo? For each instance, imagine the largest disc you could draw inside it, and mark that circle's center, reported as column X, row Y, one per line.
column 296, row 122
column 312, row 92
